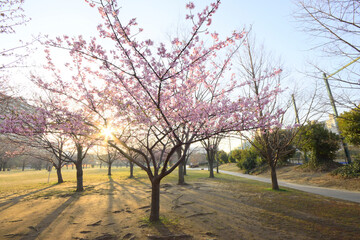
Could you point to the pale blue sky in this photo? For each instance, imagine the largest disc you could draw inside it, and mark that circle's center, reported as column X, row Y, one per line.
column 271, row 21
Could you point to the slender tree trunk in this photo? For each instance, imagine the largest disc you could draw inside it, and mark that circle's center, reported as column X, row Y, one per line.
column 79, row 177
column 217, row 166
column 23, row 165
column 155, row 200
column 109, row 169
column 59, row 175
column 131, row 169
column 185, row 169
column 79, row 169
column 211, row 167
column 274, row 181
column 181, row 180
column 210, row 157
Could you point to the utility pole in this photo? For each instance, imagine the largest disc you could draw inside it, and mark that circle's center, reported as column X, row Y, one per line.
column 346, row 150
column 296, row 111
column 297, row 120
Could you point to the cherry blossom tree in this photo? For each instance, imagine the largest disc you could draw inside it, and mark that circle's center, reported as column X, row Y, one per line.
column 11, row 15
column 273, row 141
column 150, row 94
column 110, row 156
column 54, row 127
column 9, row 151
column 211, row 146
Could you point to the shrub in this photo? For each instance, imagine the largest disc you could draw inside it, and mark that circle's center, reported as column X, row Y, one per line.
column 321, row 144
column 349, row 171
column 248, row 161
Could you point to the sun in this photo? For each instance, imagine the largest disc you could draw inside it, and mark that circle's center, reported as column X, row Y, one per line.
column 107, row 132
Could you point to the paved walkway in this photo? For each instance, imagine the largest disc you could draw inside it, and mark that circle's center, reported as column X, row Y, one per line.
column 328, row 192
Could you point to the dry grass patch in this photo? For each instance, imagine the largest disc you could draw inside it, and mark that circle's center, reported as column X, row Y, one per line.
column 226, row 207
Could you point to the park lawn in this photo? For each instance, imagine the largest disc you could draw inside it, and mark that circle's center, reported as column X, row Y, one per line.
column 117, row 207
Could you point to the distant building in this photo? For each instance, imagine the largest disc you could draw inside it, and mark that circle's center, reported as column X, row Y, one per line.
column 330, row 124
column 8, row 104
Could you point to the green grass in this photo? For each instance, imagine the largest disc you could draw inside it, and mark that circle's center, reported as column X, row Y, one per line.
column 230, row 167
column 17, row 180
column 288, row 205
column 31, row 180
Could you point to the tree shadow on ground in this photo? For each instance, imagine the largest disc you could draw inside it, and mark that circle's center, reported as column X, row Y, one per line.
column 163, row 232
column 35, row 231
column 139, row 180
column 17, row 199
column 126, row 189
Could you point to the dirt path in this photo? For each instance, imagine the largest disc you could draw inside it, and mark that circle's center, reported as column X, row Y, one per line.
column 205, row 209
column 295, row 174
column 328, row 192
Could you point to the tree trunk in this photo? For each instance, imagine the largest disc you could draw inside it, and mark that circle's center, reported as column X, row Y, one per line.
column 155, row 200
column 79, row 169
column 210, row 157
column 185, row 169
column 181, row 180
column 79, row 177
column 23, row 165
column 59, row 175
column 217, row 166
column 274, row 182
column 109, row 169
column 131, row 170
column 211, row 168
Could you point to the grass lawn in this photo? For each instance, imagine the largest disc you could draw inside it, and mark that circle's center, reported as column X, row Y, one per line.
column 117, row 207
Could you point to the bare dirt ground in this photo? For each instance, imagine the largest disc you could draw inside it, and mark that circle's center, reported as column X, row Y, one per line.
column 222, row 208
column 295, row 174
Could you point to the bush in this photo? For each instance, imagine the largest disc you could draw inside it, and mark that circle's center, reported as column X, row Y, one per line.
column 248, row 161
column 349, row 171
column 321, row 144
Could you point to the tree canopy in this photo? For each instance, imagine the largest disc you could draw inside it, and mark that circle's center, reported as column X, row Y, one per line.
column 349, row 124
column 320, row 142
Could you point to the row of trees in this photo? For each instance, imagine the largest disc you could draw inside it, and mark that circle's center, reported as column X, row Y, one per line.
column 149, row 102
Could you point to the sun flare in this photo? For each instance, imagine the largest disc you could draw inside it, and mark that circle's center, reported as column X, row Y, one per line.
column 107, row 132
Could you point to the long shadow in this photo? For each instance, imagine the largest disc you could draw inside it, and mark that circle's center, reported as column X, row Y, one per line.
column 124, row 188
column 50, row 218
column 111, row 200
column 110, row 195
column 17, row 199
column 139, row 181
column 6, row 196
column 162, row 229
column 166, row 233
